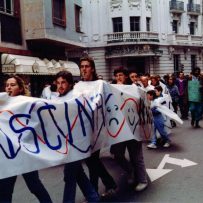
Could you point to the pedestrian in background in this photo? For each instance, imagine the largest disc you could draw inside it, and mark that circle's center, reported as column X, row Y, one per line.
column 145, row 83
column 174, row 92
column 182, row 84
column 196, row 106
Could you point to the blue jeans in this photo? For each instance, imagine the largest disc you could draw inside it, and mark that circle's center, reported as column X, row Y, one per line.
column 159, row 125
column 74, row 174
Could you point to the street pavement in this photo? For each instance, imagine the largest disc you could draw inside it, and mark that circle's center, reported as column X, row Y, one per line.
column 171, row 177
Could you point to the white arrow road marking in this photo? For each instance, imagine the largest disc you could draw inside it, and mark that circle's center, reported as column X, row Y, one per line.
column 154, row 174
column 179, row 162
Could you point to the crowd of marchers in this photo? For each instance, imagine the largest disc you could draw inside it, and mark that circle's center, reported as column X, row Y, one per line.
column 173, row 91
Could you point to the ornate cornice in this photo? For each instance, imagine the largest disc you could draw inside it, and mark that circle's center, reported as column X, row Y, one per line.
column 134, row 3
column 115, row 4
column 148, row 4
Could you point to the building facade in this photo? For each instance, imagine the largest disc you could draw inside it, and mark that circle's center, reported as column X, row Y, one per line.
column 36, row 37
column 155, row 36
column 148, row 36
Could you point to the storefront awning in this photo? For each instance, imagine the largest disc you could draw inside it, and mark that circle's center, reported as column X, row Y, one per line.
column 70, row 66
column 17, row 64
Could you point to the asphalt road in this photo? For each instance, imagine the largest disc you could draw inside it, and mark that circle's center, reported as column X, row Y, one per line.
column 170, row 181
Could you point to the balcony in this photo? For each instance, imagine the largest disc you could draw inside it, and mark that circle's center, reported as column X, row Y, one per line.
column 176, row 6
column 131, row 37
column 48, row 29
column 181, row 39
column 193, row 9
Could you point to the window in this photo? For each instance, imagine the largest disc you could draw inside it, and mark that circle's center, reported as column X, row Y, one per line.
column 134, row 23
column 176, row 63
column 77, row 18
column 6, row 6
column 59, row 12
column 10, row 21
column 10, row 24
column 192, row 28
column 175, row 26
column 148, row 24
column 193, row 61
column 117, row 24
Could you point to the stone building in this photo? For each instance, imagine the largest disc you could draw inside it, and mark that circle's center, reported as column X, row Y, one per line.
column 35, row 36
column 40, row 37
column 155, row 36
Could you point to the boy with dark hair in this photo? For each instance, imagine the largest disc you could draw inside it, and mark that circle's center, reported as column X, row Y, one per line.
column 73, row 171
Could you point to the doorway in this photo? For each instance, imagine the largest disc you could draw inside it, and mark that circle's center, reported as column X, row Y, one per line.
column 136, row 64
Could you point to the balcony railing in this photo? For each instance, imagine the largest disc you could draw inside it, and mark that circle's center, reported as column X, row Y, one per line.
column 176, row 6
column 179, row 39
column 193, row 9
column 132, row 37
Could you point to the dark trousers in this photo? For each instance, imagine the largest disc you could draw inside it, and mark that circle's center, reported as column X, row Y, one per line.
column 175, row 106
column 32, row 181
column 134, row 148
column 184, row 106
column 137, row 160
column 97, row 170
column 74, row 174
column 118, row 150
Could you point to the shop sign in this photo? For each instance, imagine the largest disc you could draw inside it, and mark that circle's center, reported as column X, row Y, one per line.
column 8, row 68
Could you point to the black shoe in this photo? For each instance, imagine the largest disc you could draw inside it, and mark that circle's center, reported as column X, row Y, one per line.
column 192, row 122
column 109, row 194
column 197, row 124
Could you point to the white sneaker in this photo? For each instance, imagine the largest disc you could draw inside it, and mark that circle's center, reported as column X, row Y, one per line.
column 152, row 146
column 141, row 187
column 167, row 144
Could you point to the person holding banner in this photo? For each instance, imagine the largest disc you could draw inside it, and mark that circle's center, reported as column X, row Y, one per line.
column 135, row 79
column 134, row 147
column 195, row 96
column 118, row 150
column 158, row 121
column 165, row 100
column 15, row 86
column 73, row 171
column 96, row 167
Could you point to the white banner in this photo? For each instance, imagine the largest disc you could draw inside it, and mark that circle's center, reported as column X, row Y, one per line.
column 36, row 133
